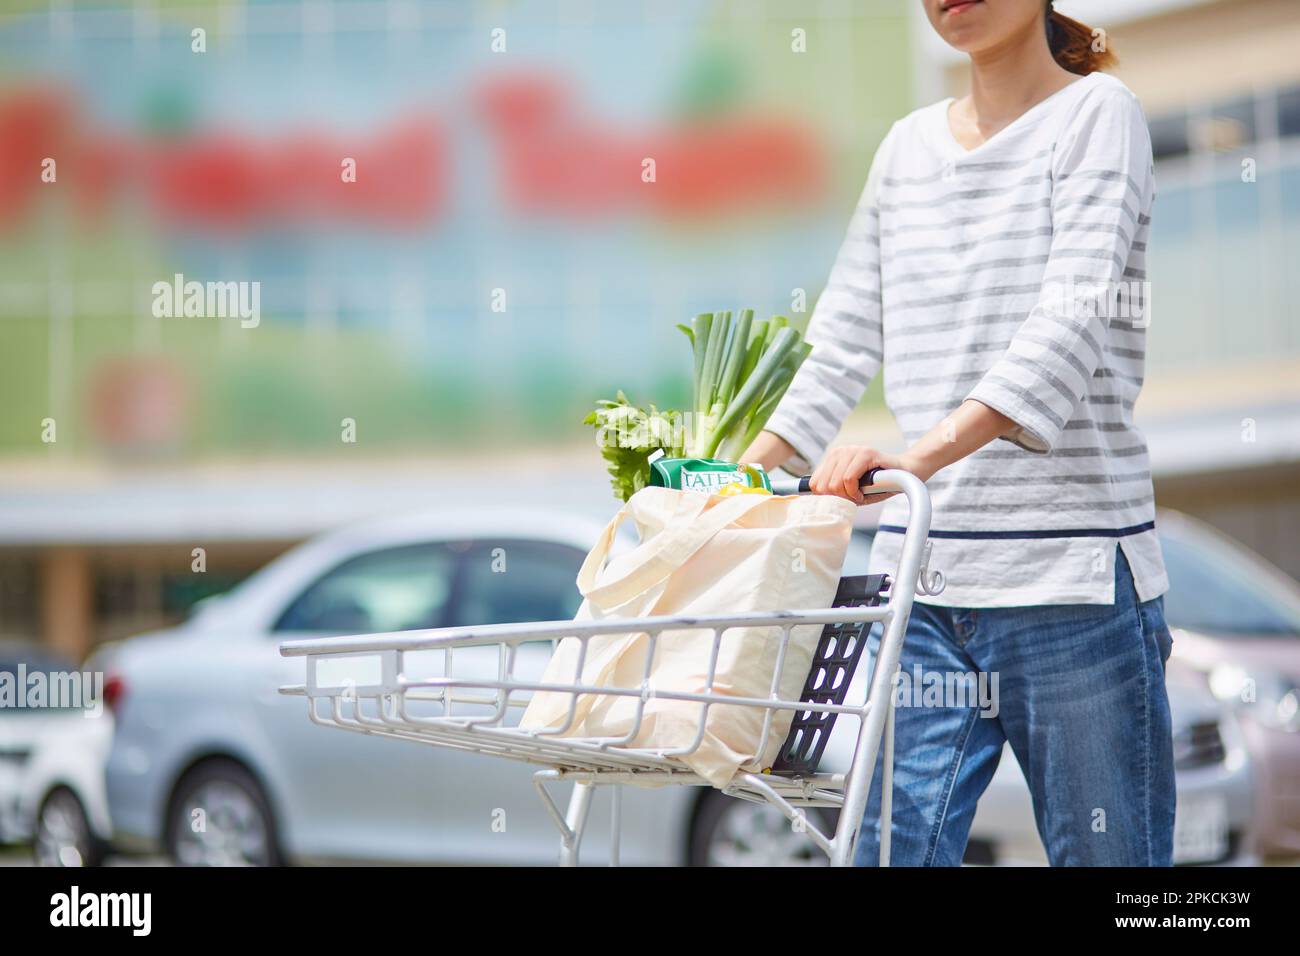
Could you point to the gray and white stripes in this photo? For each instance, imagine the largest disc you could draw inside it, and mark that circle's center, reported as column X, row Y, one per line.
column 1013, row 274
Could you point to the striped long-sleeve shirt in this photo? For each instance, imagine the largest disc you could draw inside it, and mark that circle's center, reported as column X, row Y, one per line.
column 1013, row 274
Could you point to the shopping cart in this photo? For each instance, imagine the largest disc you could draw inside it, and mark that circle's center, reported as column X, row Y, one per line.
column 471, row 709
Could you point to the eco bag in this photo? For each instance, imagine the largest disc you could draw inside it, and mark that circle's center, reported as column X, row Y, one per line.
column 699, row 554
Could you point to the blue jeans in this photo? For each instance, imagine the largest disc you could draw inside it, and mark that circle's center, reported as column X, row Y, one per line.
column 1080, row 696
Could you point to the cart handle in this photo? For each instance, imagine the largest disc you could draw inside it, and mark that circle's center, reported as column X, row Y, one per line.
column 803, row 486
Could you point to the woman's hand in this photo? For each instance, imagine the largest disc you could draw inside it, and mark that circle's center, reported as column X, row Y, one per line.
column 842, row 469
column 972, row 426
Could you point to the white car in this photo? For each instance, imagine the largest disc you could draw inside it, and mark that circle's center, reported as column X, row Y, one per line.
column 52, row 768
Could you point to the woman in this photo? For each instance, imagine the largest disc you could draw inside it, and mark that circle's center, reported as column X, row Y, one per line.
column 994, row 270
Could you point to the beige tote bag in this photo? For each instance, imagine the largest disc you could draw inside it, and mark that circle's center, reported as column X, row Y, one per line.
column 700, row 554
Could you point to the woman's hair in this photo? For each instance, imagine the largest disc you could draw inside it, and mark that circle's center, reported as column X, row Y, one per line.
column 1074, row 46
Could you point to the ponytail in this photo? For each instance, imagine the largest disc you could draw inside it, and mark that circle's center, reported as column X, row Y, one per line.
column 1074, row 45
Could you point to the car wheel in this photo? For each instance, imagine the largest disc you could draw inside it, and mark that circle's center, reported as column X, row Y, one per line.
column 731, row 832
column 980, row 853
column 63, row 834
column 220, row 817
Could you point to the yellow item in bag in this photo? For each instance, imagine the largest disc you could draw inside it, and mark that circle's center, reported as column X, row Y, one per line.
column 733, row 489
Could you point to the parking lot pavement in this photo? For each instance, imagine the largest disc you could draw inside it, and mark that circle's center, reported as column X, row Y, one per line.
column 15, row 856
column 22, row 856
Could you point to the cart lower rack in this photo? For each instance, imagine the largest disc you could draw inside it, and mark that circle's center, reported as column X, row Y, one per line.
column 471, row 697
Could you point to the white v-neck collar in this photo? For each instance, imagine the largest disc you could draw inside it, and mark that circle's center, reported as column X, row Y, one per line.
column 954, row 150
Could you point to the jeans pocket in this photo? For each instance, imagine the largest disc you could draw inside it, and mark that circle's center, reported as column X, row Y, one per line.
column 1154, row 627
column 1165, row 640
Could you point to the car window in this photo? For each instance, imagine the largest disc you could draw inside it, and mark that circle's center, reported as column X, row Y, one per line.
column 397, row 589
column 506, row 582
column 1210, row 590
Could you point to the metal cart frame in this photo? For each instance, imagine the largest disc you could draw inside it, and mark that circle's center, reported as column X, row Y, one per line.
column 382, row 707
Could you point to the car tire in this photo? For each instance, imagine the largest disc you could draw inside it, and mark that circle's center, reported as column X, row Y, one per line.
column 220, row 816
column 63, row 835
column 980, row 853
column 727, row 831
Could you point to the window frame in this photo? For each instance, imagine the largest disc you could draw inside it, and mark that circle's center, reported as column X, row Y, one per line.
column 466, row 547
column 453, row 571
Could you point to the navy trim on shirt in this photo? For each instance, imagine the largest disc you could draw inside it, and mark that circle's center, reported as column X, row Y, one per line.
column 1053, row 533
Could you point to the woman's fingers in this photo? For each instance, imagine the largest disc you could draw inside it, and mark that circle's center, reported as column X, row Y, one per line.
column 835, row 484
column 842, row 469
column 821, row 475
column 839, row 483
column 825, row 480
column 858, row 466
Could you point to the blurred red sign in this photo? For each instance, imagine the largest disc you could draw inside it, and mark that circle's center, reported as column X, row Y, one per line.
column 554, row 160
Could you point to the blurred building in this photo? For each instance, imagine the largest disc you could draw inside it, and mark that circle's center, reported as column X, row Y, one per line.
column 464, row 222
column 499, row 259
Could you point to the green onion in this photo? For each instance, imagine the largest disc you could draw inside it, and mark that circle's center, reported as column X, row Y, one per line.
column 742, row 368
column 741, row 372
column 736, row 405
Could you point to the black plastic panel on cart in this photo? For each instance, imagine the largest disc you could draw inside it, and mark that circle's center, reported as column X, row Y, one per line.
column 838, row 651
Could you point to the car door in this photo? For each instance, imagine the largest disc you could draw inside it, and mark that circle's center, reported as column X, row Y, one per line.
column 503, row 581
column 510, row 581
column 361, row 796
column 349, row 794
